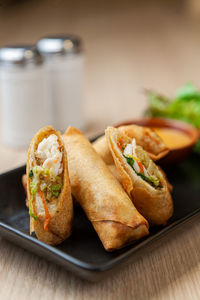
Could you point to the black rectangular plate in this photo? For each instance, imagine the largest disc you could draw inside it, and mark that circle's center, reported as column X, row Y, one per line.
column 83, row 253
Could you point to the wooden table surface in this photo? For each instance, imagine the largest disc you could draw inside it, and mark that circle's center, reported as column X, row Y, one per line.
column 128, row 46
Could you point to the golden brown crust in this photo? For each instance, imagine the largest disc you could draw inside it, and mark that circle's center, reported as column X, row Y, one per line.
column 61, row 217
column 114, row 171
column 101, row 195
column 157, row 208
column 154, row 204
column 169, row 185
column 115, row 235
column 101, row 147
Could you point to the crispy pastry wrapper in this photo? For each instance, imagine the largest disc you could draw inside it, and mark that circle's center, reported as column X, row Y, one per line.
column 61, row 212
column 145, row 137
column 154, row 204
column 102, row 148
column 169, row 185
column 106, row 204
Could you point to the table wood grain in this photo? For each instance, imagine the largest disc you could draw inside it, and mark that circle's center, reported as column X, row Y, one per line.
column 128, row 46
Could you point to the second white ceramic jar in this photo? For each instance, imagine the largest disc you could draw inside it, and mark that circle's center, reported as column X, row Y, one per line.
column 64, row 74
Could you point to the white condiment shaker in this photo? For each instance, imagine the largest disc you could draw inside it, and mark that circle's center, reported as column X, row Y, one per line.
column 64, row 72
column 23, row 94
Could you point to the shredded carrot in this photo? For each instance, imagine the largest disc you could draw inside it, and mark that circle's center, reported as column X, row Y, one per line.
column 56, row 160
column 120, row 143
column 60, row 146
column 140, row 166
column 47, row 214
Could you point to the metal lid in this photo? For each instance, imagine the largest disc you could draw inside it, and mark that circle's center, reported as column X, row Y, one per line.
column 59, row 44
column 19, row 55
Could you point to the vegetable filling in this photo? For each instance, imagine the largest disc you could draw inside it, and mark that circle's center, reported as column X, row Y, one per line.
column 46, row 175
column 129, row 152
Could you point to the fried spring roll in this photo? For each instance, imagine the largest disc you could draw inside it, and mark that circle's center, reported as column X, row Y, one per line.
column 106, row 204
column 140, row 177
column 145, row 137
column 101, row 147
column 48, row 187
column 114, row 171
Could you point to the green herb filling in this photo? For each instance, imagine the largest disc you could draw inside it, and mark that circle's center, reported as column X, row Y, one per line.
column 44, row 180
column 152, row 180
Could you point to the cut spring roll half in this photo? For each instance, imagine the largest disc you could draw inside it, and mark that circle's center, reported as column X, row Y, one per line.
column 48, row 187
column 145, row 137
column 140, row 177
column 106, row 204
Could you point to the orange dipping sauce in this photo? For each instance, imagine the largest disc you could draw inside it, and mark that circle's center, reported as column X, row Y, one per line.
column 173, row 138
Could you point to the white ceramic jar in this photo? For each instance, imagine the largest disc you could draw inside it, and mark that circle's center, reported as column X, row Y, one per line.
column 23, row 94
column 64, row 72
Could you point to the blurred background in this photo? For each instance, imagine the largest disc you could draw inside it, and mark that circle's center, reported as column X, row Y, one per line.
column 128, row 46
